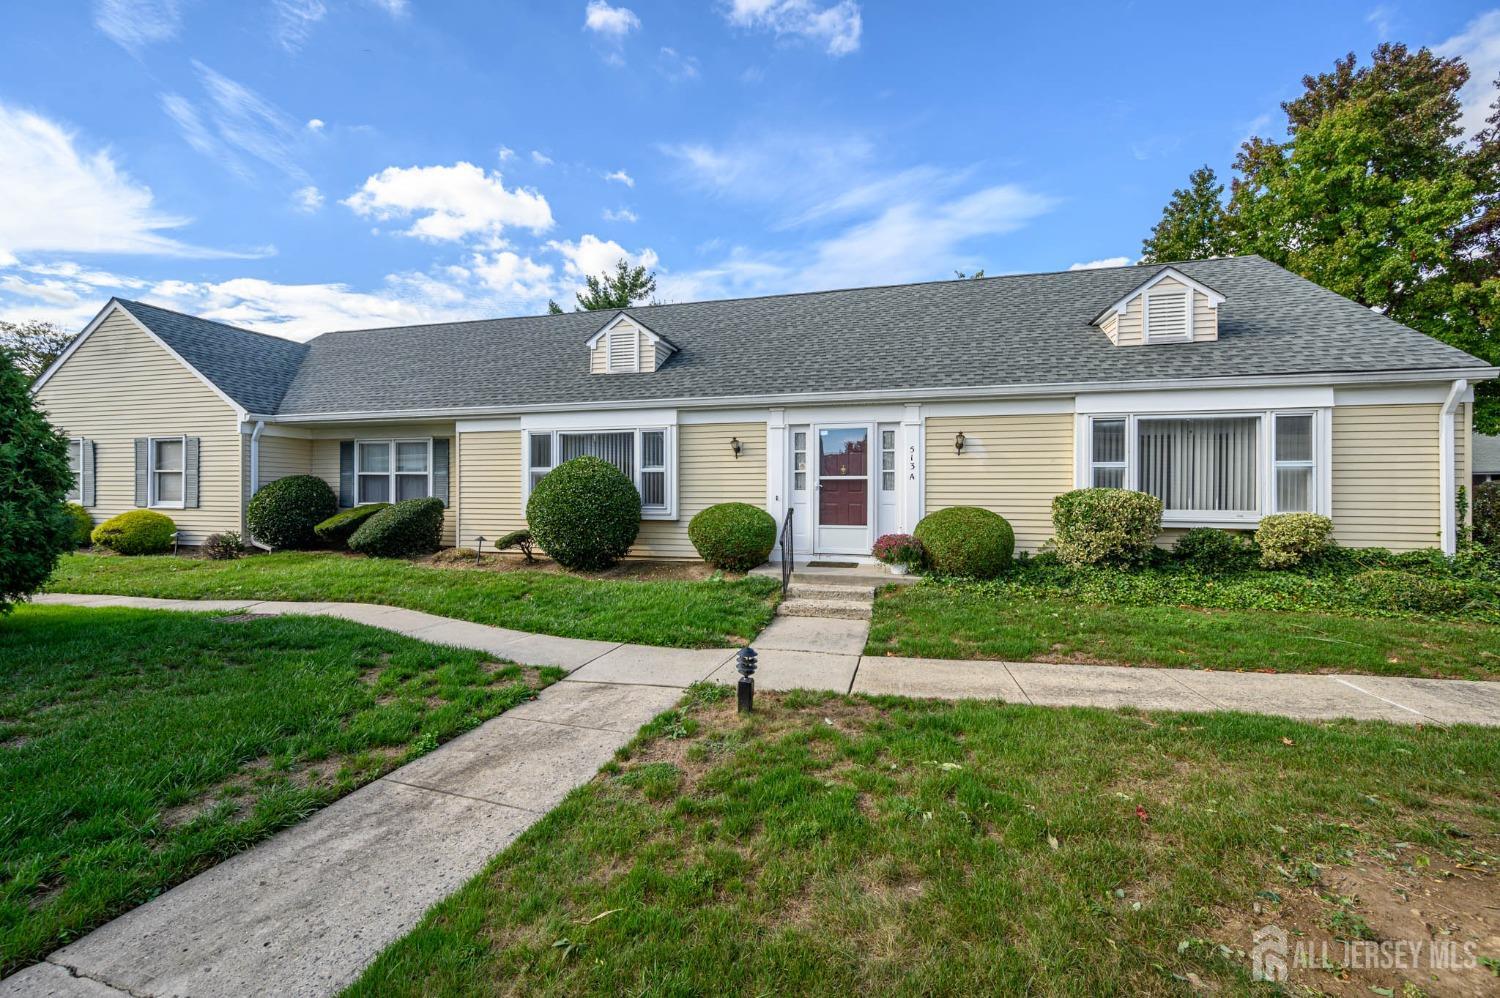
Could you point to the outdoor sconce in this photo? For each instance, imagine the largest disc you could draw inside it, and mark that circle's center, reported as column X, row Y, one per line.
column 958, row 443
column 736, row 446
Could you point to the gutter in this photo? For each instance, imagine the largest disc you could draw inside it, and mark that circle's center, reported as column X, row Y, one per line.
column 1447, row 486
column 260, row 425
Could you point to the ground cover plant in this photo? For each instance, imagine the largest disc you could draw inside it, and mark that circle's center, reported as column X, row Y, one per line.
column 697, row 614
column 138, row 748
column 836, row 845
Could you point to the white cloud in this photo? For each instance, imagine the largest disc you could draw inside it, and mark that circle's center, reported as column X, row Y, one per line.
column 676, row 66
column 315, row 124
column 1479, row 46
column 295, row 20
column 75, row 201
column 540, row 158
column 1109, row 261
column 837, row 26
column 620, row 176
column 235, row 122
column 134, row 24
column 450, row 202
column 1380, row 19
column 512, row 275
column 620, row 215
column 308, row 199
column 611, row 22
column 590, row 255
column 395, row 8
column 506, row 154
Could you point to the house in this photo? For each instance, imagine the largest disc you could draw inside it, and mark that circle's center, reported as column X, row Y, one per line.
column 1230, row 388
column 1486, row 461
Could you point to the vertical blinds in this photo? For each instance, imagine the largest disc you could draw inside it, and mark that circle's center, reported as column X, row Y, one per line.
column 1200, row 464
column 616, row 448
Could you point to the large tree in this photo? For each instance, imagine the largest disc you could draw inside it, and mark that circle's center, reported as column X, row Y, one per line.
column 626, row 286
column 1192, row 225
column 34, row 344
column 35, row 528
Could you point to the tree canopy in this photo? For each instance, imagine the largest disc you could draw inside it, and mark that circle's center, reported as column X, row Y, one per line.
column 621, row 289
column 35, row 527
column 34, row 344
column 1192, row 224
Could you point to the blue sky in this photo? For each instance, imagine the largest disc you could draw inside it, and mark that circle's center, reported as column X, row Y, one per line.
column 302, row 165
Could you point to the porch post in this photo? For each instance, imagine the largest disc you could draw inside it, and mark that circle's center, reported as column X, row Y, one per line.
column 910, row 464
column 776, row 484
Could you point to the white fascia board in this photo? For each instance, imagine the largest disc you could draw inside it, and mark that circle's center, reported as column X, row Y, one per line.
column 1205, row 400
column 598, row 419
column 1119, row 307
column 702, row 417
column 1433, row 393
column 268, row 429
column 612, row 323
column 487, row 425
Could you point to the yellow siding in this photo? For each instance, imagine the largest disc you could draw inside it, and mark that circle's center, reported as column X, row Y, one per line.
column 325, row 459
column 707, row 473
column 282, row 457
column 1111, row 328
column 119, row 385
column 1127, row 330
column 490, row 500
column 1205, row 318
column 1013, row 465
column 599, row 356
column 1385, row 476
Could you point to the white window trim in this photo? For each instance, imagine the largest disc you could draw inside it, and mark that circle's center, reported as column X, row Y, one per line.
column 1277, row 465
column 1265, row 466
column 151, row 472
column 391, row 474
column 75, row 494
column 667, row 512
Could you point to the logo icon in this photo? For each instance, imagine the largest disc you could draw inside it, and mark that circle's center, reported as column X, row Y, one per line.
column 1268, row 954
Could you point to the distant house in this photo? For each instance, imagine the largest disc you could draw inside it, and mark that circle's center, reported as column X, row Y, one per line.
column 1229, row 388
column 1486, row 462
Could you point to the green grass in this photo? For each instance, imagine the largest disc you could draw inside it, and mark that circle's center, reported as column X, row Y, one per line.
column 677, row 614
column 138, row 748
column 834, row 845
column 936, row 620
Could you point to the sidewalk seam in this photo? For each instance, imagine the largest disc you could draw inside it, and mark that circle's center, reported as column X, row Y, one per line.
column 1377, row 696
column 75, row 972
column 449, row 793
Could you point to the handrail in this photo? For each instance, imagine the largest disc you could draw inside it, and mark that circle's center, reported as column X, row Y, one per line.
column 788, row 551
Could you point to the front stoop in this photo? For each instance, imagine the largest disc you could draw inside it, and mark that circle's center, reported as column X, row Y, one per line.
column 819, row 599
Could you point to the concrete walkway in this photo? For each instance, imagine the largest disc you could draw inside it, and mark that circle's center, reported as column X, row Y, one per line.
column 306, row 911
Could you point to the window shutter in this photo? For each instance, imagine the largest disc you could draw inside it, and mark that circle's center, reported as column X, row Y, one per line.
column 346, row 473
column 440, row 469
column 86, row 490
column 142, row 470
column 190, row 472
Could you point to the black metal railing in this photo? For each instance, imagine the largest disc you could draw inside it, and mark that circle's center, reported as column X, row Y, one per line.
column 788, row 551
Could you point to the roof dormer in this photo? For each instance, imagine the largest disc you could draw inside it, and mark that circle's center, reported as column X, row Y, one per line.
column 626, row 346
column 1168, row 307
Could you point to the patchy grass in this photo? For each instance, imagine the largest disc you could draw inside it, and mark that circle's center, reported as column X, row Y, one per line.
column 138, row 748
column 937, row 620
column 836, row 845
column 678, row 614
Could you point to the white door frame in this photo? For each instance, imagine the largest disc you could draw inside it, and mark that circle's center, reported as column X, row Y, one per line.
column 815, row 458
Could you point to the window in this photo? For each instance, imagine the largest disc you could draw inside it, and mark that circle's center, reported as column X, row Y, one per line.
column 644, row 456
column 1293, row 462
column 392, row 470
column 167, row 471
column 75, row 465
column 799, row 461
column 1199, row 464
column 887, row 460
column 1109, row 454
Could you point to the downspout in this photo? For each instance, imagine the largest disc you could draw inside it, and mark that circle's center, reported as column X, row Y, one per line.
column 1447, row 491
column 260, row 424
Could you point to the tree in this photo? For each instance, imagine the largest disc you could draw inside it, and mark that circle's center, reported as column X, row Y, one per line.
column 1194, row 224
column 978, row 275
column 35, row 528
column 553, row 308
column 35, row 344
column 626, row 286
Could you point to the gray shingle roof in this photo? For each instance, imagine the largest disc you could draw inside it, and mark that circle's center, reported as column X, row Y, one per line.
column 1486, row 454
column 254, row 369
column 1029, row 329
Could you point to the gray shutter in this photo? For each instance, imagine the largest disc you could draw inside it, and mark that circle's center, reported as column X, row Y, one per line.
column 190, row 472
column 346, row 473
column 142, row 470
column 440, row 469
column 86, row 490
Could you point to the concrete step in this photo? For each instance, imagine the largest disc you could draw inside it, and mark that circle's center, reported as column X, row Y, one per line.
column 803, row 607
column 821, row 590
column 864, row 576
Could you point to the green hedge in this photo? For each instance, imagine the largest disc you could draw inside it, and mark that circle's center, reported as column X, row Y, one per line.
column 83, row 524
column 1402, row 592
column 137, row 531
column 1212, row 551
column 338, row 528
column 584, row 513
column 734, row 536
column 1287, row 540
column 284, row 513
column 966, row 542
column 410, row 527
column 1102, row 526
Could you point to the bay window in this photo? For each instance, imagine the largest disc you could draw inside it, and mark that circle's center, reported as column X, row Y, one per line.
column 392, row 470
column 643, row 455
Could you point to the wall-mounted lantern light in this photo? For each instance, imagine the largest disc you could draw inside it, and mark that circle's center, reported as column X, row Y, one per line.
column 958, row 443
column 736, row 446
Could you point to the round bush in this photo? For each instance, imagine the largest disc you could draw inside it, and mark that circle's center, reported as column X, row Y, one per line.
column 584, row 513
column 1095, row 526
column 223, row 547
column 1210, row 550
column 734, row 536
column 1486, row 513
column 338, row 528
column 1403, row 592
column 966, row 541
column 83, row 524
column 1287, row 540
column 411, row 527
column 284, row 513
column 139, row 531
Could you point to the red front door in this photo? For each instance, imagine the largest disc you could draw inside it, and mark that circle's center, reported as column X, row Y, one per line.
column 843, row 477
column 843, row 503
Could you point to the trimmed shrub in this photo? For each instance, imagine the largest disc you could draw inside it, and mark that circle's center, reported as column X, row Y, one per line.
column 967, row 542
column 1210, row 550
column 35, row 528
column 138, row 531
column 521, row 540
column 900, row 549
column 1486, row 514
column 584, row 513
column 285, row 513
column 83, row 524
column 1403, row 592
column 338, row 528
column 410, row 527
column 1097, row 526
column 734, row 536
column 223, row 547
column 1287, row 540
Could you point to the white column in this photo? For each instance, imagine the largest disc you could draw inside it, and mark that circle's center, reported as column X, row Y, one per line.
column 912, row 466
column 1447, row 491
column 776, row 483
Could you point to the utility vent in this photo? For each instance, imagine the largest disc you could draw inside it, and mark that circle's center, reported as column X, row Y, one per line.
column 1167, row 315
column 624, row 345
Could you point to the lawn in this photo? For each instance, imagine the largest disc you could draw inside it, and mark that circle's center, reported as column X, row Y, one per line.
column 138, row 748
column 705, row 614
column 837, row 845
column 938, row 620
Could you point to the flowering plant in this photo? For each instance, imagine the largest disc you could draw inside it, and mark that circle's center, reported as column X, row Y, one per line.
column 900, row 549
